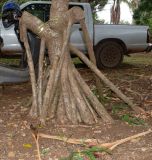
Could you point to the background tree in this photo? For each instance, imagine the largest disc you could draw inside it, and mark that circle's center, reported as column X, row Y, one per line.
column 116, row 10
column 143, row 14
column 133, row 4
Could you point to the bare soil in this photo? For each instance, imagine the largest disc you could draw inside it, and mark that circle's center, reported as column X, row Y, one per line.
column 133, row 78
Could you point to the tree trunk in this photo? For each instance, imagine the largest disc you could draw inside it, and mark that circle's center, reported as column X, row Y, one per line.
column 115, row 12
column 59, row 92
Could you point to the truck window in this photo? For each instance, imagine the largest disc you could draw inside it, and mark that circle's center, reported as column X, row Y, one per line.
column 38, row 10
column 42, row 11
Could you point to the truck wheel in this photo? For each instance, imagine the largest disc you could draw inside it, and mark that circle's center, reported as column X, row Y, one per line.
column 109, row 54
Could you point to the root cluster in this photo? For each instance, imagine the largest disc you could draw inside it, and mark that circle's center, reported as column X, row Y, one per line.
column 59, row 91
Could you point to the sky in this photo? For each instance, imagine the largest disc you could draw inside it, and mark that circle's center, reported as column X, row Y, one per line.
column 126, row 14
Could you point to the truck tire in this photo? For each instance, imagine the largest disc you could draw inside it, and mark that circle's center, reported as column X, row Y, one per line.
column 109, row 54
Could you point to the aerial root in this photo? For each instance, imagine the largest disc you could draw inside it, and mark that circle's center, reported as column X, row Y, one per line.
column 79, row 104
column 97, row 106
column 105, row 80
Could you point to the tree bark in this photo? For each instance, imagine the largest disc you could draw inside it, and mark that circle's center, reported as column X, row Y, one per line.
column 59, row 92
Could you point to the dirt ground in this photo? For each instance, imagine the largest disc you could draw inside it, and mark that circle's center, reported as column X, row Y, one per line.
column 134, row 78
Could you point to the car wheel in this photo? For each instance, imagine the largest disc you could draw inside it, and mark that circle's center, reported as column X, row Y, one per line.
column 109, row 54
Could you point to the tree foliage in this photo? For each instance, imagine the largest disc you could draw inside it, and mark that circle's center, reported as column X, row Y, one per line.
column 116, row 11
column 143, row 14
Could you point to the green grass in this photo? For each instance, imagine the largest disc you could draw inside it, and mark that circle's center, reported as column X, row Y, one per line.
column 89, row 153
column 10, row 61
column 145, row 59
column 132, row 120
column 119, row 107
column 103, row 99
column 76, row 60
column 140, row 58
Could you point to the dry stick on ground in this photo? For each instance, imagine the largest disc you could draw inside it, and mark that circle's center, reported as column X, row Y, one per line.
column 105, row 80
column 95, row 142
column 36, row 138
column 89, row 142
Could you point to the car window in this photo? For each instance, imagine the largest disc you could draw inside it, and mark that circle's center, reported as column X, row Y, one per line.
column 42, row 11
column 38, row 10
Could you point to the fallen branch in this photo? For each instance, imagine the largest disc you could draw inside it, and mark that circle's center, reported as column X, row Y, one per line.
column 95, row 142
column 36, row 138
column 87, row 142
column 113, row 145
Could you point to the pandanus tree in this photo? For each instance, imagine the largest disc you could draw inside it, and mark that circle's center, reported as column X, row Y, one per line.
column 115, row 12
column 59, row 91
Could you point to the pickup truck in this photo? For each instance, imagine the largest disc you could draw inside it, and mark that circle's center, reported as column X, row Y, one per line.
column 111, row 42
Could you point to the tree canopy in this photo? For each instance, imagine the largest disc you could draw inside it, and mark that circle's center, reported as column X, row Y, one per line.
column 143, row 14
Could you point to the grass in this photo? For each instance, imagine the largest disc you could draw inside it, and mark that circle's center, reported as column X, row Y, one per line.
column 119, row 107
column 89, row 153
column 76, row 61
column 117, row 110
column 137, row 58
column 141, row 58
column 9, row 61
column 132, row 120
column 103, row 99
